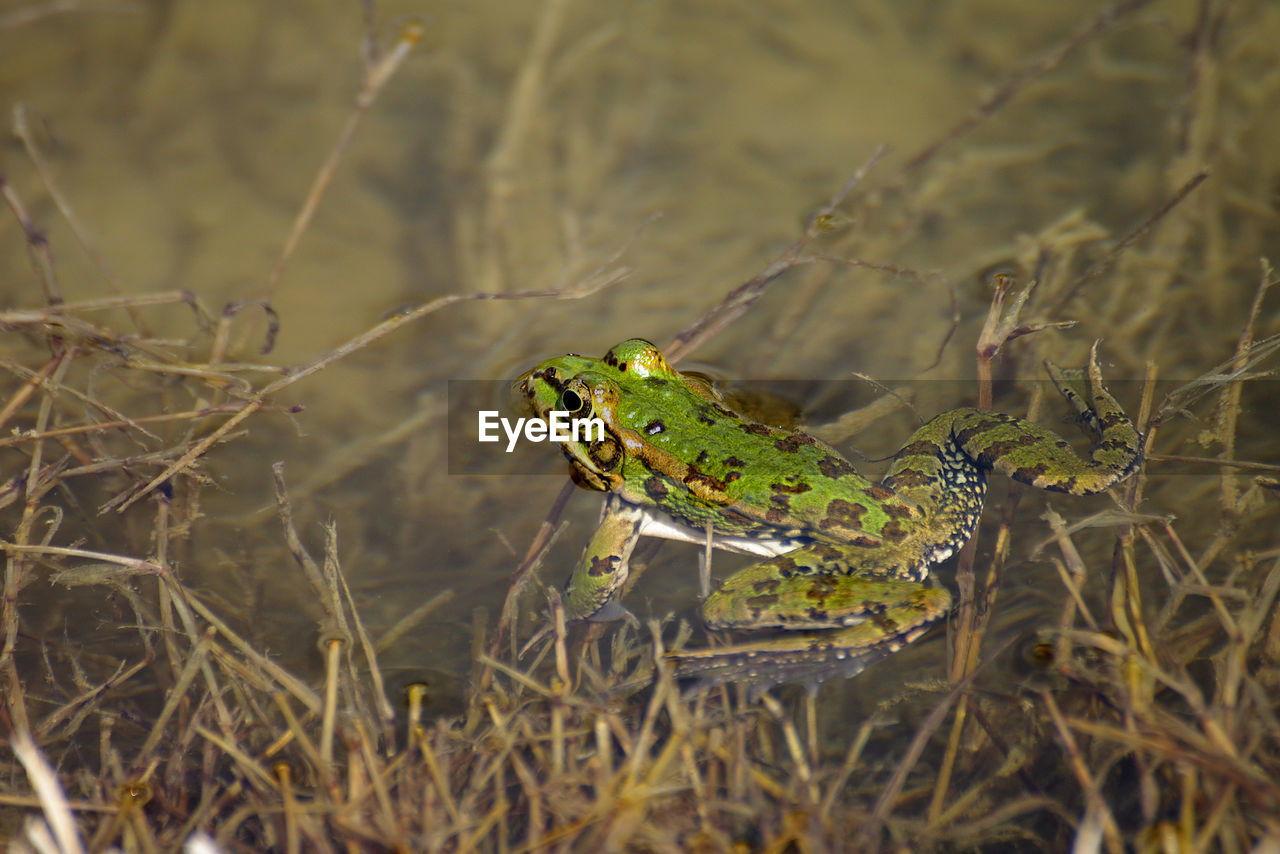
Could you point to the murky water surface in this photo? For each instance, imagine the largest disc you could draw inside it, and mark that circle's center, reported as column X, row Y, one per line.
column 524, row 145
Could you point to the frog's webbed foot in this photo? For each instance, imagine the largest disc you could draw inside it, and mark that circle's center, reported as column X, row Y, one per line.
column 1118, row 452
column 760, row 671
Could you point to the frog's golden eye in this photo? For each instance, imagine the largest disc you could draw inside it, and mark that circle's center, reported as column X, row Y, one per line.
column 576, row 400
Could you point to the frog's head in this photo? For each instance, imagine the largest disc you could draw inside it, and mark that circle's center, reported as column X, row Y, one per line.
column 578, row 388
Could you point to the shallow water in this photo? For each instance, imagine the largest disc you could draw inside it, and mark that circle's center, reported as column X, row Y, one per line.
column 185, row 136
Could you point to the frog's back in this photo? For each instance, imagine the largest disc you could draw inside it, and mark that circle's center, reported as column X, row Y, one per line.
column 701, row 461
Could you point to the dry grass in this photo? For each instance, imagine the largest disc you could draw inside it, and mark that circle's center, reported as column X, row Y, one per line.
column 1162, row 731
column 1142, row 719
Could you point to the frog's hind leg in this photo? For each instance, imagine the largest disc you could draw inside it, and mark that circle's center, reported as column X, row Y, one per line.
column 945, row 485
column 853, row 612
column 1033, row 455
column 812, row 657
column 1118, row 444
column 823, row 586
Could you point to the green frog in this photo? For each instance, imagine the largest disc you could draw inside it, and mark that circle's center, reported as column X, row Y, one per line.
column 845, row 562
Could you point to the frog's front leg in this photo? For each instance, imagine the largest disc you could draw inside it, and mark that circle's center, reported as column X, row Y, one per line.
column 605, row 563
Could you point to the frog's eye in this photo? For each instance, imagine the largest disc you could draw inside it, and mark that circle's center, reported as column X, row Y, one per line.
column 576, row 399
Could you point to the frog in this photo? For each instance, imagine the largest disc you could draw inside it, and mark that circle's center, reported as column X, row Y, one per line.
column 844, row 575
